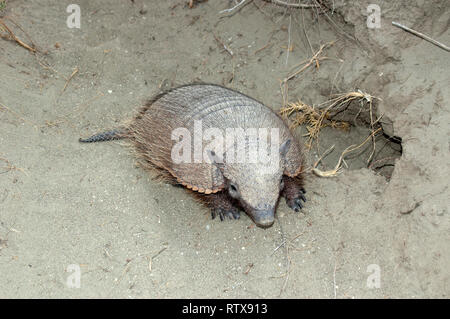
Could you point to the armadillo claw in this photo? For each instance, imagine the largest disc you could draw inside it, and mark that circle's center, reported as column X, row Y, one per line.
column 302, row 197
column 231, row 214
column 296, row 203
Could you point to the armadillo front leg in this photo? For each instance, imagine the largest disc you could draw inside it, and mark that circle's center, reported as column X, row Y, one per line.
column 221, row 205
column 293, row 192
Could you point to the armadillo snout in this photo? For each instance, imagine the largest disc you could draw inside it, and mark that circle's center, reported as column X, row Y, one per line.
column 263, row 218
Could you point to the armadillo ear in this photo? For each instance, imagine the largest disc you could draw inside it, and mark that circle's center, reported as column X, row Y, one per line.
column 217, row 174
column 284, row 148
column 215, row 159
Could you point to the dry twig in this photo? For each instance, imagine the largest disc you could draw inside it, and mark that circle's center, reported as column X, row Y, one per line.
column 338, row 167
column 10, row 35
column 292, row 4
column 70, row 78
column 17, row 115
column 235, row 7
column 220, row 42
column 421, row 35
column 314, row 60
column 10, row 167
column 154, row 256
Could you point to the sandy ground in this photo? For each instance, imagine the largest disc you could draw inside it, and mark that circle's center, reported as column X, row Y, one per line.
column 63, row 203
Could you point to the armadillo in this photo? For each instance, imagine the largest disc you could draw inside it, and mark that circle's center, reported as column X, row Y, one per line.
column 165, row 135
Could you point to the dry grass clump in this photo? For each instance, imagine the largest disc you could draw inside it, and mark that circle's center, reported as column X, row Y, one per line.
column 312, row 117
column 321, row 116
column 315, row 118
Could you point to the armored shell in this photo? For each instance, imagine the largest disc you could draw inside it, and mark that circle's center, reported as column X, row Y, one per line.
column 151, row 130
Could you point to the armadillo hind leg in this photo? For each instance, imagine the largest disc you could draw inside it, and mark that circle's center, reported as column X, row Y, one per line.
column 104, row 136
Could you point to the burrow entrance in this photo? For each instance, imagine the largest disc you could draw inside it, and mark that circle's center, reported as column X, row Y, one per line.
column 345, row 132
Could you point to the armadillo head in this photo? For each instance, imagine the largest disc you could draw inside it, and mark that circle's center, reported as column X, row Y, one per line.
column 256, row 186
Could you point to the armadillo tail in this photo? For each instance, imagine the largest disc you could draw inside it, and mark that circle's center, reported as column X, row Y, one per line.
column 116, row 134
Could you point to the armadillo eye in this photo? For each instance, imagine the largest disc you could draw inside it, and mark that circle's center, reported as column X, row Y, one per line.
column 233, row 190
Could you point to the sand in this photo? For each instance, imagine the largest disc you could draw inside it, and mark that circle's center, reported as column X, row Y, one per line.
column 65, row 206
